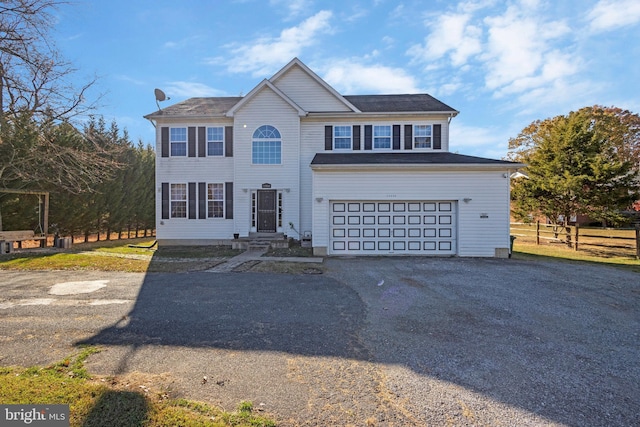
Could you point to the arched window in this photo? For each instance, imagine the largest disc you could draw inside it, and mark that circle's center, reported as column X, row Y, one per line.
column 266, row 146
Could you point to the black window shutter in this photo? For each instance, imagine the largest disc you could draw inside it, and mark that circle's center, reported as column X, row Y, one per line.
column 396, row 137
column 368, row 137
column 191, row 141
column 202, row 200
column 165, row 200
column 202, row 141
column 228, row 200
column 328, row 138
column 408, row 137
column 356, row 137
column 437, row 137
column 228, row 141
column 164, row 141
column 192, row 200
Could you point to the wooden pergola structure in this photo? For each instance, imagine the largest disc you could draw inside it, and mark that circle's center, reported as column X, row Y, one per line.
column 43, row 207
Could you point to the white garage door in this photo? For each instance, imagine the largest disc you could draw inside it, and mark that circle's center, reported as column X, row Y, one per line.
column 409, row 227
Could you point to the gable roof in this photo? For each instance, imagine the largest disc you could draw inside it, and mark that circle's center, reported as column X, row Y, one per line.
column 296, row 62
column 197, row 107
column 220, row 106
column 256, row 90
column 407, row 158
column 227, row 106
column 409, row 103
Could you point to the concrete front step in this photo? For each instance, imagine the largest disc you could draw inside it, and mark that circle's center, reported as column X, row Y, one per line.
column 258, row 244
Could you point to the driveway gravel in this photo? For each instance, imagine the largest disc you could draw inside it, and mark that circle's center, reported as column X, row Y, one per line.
column 373, row 341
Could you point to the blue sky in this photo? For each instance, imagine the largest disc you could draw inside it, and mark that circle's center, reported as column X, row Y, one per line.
column 502, row 64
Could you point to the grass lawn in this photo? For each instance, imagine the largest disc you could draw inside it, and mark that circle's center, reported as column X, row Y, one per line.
column 97, row 401
column 117, row 255
column 524, row 248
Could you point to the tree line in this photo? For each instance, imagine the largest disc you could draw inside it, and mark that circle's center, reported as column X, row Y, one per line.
column 122, row 201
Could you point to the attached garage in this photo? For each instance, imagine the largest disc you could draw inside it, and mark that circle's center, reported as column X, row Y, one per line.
column 393, row 227
column 420, row 203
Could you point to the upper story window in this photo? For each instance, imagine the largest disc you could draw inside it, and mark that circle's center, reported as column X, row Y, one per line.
column 382, row 137
column 178, row 141
column 215, row 141
column 342, row 137
column 422, row 136
column 178, row 200
column 266, row 148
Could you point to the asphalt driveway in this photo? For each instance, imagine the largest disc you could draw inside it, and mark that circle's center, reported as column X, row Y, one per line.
column 400, row 341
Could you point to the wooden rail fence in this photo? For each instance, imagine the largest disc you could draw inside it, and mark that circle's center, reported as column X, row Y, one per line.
column 576, row 237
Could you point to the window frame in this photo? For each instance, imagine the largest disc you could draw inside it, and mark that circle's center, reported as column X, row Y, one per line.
column 215, row 141
column 376, row 137
column 178, row 204
column 337, row 137
column 415, row 136
column 266, row 137
column 213, row 201
column 175, row 143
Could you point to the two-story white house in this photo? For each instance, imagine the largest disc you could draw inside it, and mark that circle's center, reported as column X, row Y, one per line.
column 360, row 175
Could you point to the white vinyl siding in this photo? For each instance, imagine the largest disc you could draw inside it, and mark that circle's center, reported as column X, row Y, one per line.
column 482, row 222
column 267, row 108
column 184, row 169
column 306, row 92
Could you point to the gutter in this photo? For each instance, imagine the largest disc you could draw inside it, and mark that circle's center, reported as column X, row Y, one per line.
column 418, row 166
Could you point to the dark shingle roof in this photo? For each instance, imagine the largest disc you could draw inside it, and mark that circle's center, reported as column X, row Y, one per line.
column 421, row 102
column 372, row 158
column 212, row 106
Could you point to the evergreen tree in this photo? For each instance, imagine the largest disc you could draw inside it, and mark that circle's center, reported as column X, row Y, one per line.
column 581, row 163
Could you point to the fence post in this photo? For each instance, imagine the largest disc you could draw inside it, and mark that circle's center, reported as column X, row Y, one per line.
column 568, row 238
column 577, row 234
column 537, row 232
column 637, row 241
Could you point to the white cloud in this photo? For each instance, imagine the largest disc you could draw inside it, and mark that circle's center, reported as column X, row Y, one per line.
column 611, row 14
column 266, row 55
column 451, row 34
column 519, row 46
column 294, row 7
column 190, row 89
column 353, row 77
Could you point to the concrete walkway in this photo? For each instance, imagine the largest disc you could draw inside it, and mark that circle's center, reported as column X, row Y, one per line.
column 256, row 255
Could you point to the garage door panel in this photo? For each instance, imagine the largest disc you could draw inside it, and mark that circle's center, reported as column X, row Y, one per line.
column 411, row 227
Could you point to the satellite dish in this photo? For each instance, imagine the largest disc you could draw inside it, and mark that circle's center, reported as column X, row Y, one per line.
column 160, row 96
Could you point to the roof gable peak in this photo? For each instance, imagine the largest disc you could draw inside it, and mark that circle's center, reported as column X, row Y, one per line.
column 295, row 62
column 256, row 90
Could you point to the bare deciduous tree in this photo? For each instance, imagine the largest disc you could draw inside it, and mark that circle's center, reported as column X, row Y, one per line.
column 39, row 97
column 33, row 76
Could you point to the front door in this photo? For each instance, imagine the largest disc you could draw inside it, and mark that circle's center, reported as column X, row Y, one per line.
column 266, row 211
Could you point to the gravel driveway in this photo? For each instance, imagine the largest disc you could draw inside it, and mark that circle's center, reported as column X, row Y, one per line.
column 373, row 341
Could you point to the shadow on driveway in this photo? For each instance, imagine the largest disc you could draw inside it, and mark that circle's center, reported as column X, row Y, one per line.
column 298, row 314
column 555, row 340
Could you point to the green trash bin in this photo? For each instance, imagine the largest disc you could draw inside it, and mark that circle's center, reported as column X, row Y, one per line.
column 511, row 245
